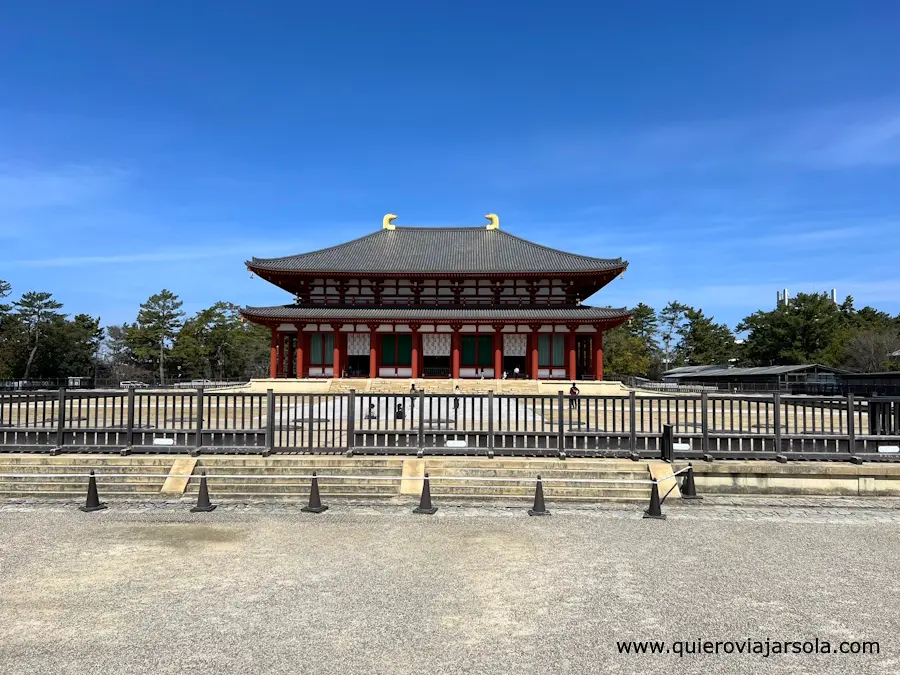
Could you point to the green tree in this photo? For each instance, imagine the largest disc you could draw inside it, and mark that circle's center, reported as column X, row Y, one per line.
column 644, row 323
column 78, row 345
column 158, row 323
column 671, row 319
column 5, row 289
column 12, row 337
column 216, row 343
column 703, row 341
column 624, row 353
column 36, row 311
column 802, row 331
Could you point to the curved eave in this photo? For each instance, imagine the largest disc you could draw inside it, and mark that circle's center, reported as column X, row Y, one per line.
column 267, row 272
column 598, row 316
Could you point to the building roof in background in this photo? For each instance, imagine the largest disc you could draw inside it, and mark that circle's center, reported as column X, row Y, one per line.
column 758, row 371
column 458, row 250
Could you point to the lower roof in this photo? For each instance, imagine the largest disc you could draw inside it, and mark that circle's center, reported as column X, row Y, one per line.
column 326, row 313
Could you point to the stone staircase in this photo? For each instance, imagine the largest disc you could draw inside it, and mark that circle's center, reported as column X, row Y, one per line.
column 63, row 476
column 569, row 472
column 343, row 386
column 252, row 484
column 447, row 476
column 243, row 478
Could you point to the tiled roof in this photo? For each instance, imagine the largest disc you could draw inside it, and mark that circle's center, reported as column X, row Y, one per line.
column 327, row 313
column 725, row 371
column 438, row 249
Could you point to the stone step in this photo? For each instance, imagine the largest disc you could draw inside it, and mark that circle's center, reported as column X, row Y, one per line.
column 438, row 490
column 79, row 487
column 299, row 471
column 297, row 490
column 212, row 479
column 81, row 479
column 83, row 468
column 532, row 474
column 92, row 460
column 304, row 460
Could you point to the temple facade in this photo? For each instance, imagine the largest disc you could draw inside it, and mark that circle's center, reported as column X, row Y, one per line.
column 457, row 302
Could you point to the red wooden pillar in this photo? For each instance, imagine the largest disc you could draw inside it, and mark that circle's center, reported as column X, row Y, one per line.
column 416, row 337
column 338, row 361
column 301, row 352
column 373, row 350
column 273, row 356
column 498, row 352
column 571, row 357
column 598, row 354
column 533, row 352
column 454, row 353
column 279, row 371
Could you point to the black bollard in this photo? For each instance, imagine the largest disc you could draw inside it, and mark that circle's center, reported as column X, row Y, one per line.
column 93, row 499
column 425, row 500
column 655, row 510
column 538, row 509
column 315, row 502
column 203, row 503
column 688, row 489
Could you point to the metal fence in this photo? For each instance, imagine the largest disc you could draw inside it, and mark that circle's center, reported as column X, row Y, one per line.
column 720, row 426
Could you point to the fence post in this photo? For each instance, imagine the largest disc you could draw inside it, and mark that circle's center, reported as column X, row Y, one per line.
column 851, row 424
column 667, row 444
column 704, row 421
column 351, row 419
column 309, row 422
column 129, row 429
column 632, row 432
column 420, row 440
column 199, row 429
column 561, row 442
column 776, row 418
column 61, row 417
column 270, row 421
column 490, row 438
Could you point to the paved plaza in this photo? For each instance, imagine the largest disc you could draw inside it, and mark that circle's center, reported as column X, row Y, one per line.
column 253, row 588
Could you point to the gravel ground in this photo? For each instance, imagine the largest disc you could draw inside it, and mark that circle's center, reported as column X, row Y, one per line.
column 151, row 588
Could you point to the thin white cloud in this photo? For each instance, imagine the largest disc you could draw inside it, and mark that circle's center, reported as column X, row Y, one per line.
column 844, row 137
column 29, row 189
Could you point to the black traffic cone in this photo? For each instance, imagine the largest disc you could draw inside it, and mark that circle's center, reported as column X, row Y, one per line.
column 655, row 510
column 315, row 502
column 538, row 509
column 203, row 504
column 93, row 499
column 688, row 489
column 425, row 500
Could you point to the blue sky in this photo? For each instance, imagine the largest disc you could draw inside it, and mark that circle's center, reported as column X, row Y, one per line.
column 726, row 150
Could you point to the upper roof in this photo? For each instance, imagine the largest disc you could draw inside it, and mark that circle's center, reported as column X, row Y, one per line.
column 417, row 250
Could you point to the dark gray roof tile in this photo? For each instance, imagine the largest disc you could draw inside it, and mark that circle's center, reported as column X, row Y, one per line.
column 438, row 249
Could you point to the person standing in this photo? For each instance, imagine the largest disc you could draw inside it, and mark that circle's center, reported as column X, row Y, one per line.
column 573, row 396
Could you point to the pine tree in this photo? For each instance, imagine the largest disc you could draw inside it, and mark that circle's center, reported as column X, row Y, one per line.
column 158, row 323
column 36, row 311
